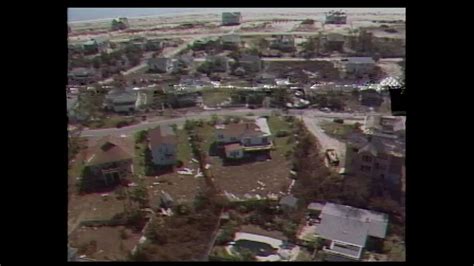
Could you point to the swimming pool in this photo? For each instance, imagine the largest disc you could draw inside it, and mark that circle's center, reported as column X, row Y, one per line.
column 258, row 248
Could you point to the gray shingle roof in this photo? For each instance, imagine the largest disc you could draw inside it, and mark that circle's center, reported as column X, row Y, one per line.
column 351, row 225
column 377, row 143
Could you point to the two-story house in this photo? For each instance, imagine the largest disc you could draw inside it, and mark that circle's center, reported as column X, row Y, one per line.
column 283, row 43
column 379, row 157
column 121, row 101
column 231, row 18
column 241, row 139
column 231, row 41
column 82, row 76
column 163, row 145
column 384, row 124
column 347, row 229
column 108, row 161
column 358, row 66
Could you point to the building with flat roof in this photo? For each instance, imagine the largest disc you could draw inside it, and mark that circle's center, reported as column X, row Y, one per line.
column 231, row 18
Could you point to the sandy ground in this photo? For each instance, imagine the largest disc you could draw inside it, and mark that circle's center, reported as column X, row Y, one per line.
column 210, row 22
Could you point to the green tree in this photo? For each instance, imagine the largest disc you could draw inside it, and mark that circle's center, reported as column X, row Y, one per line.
column 140, row 196
column 140, row 136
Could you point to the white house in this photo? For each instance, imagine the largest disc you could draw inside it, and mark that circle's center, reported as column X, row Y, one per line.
column 240, row 138
column 163, row 145
column 121, row 101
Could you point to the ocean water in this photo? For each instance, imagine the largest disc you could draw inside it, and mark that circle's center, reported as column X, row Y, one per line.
column 90, row 14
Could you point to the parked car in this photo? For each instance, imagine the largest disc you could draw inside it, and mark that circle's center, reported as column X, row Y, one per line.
column 338, row 120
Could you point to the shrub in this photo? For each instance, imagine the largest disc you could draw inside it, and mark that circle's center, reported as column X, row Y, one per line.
column 140, row 136
column 307, row 22
column 179, row 163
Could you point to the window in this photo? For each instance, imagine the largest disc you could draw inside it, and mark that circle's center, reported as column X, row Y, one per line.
column 220, row 136
column 355, row 149
column 265, row 140
column 366, row 158
column 233, row 138
column 247, row 141
column 365, row 168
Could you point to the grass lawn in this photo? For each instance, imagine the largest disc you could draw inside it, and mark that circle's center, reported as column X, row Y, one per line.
column 336, row 130
column 138, row 159
column 277, row 123
column 212, row 97
column 184, row 149
column 207, row 133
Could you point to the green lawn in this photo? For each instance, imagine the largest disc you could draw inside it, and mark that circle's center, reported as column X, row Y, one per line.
column 277, row 123
column 138, row 159
column 336, row 130
column 207, row 133
column 212, row 97
column 184, row 153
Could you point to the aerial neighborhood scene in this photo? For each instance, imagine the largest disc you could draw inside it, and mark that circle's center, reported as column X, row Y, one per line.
column 235, row 134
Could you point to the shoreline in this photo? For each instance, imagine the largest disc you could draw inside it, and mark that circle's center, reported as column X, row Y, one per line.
column 253, row 11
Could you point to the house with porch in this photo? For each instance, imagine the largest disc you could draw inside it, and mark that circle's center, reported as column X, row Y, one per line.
column 380, row 157
column 240, row 140
column 231, row 18
column 108, row 161
column 347, row 229
column 163, row 144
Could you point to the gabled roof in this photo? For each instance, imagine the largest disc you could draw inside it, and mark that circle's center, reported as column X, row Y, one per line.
column 162, row 135
column 377, row 143
column 249, row 58
column 109, row 149
column 351, row 225
column 232, row 147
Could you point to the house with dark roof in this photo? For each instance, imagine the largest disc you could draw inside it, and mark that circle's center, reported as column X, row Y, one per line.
column 358, row 65
column 283, row 43
column 121, row 101
column 160, row 65
column 348, row 228
column 237, row 139
column 231, row 18
column 380, row 157
column 163, row 144
column 336, row 17
column 108, row 161
column 120, row 23
column 82, row 76
column 230, row 41
column 334, row 42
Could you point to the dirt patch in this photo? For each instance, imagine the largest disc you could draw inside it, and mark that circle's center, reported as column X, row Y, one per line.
column 245, row 178
column 182, row 188
column 104, row 243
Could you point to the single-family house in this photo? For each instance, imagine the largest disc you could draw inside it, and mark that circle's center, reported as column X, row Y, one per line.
column 231, row 18
column 348, row 229
column 108, row 161
column 384, row 124
column 239, row 139
column 121, row 101
column 150, row 96
column 231, row 41
column 334, row 42
column 95, row 45
column 336, row 17
column 380, row 157
column 163, row 145
column 82, row 76
column 153, row 44
column 251, row 63
column 358, row 65
column 283, row 43
column 120, row 24
column 160, row 65
column 288, row 203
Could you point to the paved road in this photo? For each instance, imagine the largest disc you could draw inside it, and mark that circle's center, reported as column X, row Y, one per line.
column 179, row 121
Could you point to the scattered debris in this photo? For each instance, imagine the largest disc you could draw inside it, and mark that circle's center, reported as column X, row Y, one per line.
column 133, row 184
column 207, row 166
column 194, row 160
